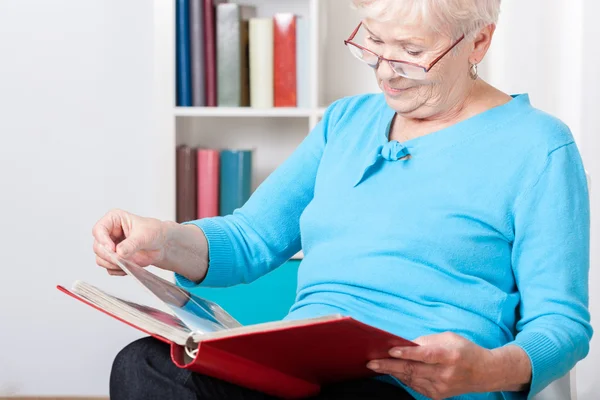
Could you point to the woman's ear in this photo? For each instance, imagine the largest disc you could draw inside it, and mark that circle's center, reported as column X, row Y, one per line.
column 481, row 43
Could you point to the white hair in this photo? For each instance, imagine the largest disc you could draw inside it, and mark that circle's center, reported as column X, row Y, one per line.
column 451, row 18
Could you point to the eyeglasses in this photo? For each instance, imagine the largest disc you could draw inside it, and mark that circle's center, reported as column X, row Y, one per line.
column 403, row 68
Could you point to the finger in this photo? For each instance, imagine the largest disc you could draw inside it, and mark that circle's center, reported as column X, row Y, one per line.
column 107, row 228
column 115, row 272
column 103, row 253
column 427, row 354
column 405, row 368
column 128, row 247
column 391, row 366
column 120, row 229
column 105, row 264
column 420, row 377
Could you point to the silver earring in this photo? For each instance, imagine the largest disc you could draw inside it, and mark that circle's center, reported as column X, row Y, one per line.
column 473, row 71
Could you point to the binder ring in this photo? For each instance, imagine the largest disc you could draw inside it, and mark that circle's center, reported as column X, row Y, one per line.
column 191, row 347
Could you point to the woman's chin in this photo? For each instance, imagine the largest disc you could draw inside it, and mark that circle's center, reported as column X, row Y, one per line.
column 403, row 105
column 398, row 99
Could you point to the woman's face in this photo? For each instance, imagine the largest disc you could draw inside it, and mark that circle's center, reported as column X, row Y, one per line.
column 445, row 84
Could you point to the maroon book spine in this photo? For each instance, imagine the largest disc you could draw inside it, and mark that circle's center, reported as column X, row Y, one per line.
column 210, row 54
column 186, row 183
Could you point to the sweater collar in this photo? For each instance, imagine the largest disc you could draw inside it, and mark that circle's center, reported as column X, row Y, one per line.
column 382, row 150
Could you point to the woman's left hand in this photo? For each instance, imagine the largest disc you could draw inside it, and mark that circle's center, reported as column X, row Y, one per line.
column 444, row 365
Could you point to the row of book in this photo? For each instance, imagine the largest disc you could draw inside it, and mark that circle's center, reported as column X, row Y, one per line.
column 211, row 182
column 227, row 57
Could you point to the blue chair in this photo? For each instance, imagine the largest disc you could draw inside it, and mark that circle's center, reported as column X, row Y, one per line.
column 269, row 298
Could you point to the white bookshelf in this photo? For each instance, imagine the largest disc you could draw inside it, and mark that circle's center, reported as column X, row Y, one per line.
column 272, row 133
column 248, row 112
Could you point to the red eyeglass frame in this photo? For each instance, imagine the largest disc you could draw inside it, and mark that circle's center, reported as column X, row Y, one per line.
column 381, row 58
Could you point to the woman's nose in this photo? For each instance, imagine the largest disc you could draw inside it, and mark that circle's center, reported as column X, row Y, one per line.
column 385, row 71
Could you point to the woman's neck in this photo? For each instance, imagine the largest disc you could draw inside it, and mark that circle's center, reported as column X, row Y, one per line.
column 479, row 98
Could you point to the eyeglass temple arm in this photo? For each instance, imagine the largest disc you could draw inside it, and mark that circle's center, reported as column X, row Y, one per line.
column 355, row 32
column 443, row 54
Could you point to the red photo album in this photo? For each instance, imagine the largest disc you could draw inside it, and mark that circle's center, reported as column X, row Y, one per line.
column 287, row 359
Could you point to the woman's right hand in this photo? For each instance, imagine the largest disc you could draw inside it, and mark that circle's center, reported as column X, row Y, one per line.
column 139, row 239
column 175, row 247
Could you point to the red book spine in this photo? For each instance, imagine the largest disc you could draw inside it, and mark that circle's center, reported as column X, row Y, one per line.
column 210, row 54
column 208, row 183
column 284, row 36
column 229, row 367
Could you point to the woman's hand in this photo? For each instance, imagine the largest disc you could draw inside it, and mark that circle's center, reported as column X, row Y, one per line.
column 148, row 241
column 142, row 240
column 444, row 365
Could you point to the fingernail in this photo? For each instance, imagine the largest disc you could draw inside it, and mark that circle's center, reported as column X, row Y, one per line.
column 396, row 353
column 373, row 365
column 123, row 251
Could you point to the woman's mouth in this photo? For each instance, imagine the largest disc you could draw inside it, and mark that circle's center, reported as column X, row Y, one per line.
column 391, row 91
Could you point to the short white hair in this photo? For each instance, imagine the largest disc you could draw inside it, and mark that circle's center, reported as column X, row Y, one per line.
column 451, row 18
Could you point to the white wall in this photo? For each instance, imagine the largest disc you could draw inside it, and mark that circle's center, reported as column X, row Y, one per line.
column 76, row 139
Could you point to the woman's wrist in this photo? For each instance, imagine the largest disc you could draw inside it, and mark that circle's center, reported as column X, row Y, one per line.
column 186, row 250
column 511, row 369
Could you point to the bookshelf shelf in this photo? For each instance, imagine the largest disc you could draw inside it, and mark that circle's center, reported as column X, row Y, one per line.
column 245, row 112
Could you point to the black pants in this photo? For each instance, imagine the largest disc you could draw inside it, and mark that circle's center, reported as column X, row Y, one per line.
column 144, row 370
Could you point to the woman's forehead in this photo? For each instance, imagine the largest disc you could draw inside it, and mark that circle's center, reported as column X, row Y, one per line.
column 400, row 32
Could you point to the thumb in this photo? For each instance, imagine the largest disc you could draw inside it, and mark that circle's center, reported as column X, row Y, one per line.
column 127, row 247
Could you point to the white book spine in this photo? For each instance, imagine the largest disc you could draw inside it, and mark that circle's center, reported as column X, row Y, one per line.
column 261, row 62
column 302, row 62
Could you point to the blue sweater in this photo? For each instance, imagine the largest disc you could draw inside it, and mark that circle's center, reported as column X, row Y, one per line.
column 483, row 231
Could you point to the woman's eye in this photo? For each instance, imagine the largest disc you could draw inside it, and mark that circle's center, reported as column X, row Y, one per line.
column 376, row 41
column 414, row 53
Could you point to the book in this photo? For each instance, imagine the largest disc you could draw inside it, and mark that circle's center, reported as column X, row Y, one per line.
column 208, row 183
column 235, row 179
column 197, row 52
column 186, row 182
column 287, row 359
column 302, row 62
column 284, row 40
column 261, row 62
column 233, row 88
column 210, row 52
column 184, row 84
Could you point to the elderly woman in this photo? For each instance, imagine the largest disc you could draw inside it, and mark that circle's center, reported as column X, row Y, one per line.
column 442, row 210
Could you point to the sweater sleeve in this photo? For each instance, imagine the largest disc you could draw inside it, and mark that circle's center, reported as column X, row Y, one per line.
column 265, row 232
column 551, row 264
